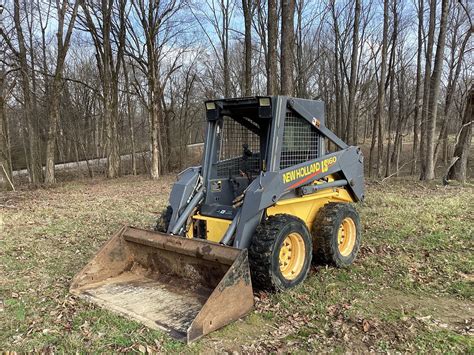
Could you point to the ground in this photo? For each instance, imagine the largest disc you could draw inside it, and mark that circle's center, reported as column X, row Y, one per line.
column 410, row 289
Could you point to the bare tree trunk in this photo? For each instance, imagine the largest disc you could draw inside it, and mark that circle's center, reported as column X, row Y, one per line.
column 391, row 70
column 108, row 33
column 381, row 90
column 225, row 45
column 35, row 116
column 341, row 94
column 391, row 114
column 51, row 139
column 355, row 126
column 337, row 80
column 455, row 66
column 246, row 5
column 287, row 46
column 165, row 137
column 34, row 166
column 353, row 81
column 113, row 168
column 402, row 118
column 458, row 171
column 153, row 17
column 303, row 63
column 130, row 119
column 63, row 46
column 154, row 138
column 373, row 142
column 272, row 62
column 5, row 153
column 418, row 103
column 429, row 173
column 426, row 87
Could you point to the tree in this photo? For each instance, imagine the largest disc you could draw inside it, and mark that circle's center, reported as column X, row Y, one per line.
column 29, row 127
column 402, row 111
column 63, row 42
column 5, row 147
column 130, row 111
column 455, row 63
column 426, row 85
column 354, row 67
column 156, row 33
column 247, row 9
column 429, row 165
column 105, row 21
column 418, row 103
column 271, row 60
column 458, row 170
column 287, row 46
column 338, row 92
column 391, row 82
column 378, row 130
column 218, row 13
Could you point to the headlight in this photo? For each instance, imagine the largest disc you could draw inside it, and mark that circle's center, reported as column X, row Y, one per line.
column 210, row 106
column 264, row 101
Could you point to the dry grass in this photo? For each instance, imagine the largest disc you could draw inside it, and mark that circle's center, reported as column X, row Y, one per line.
column 411, row 288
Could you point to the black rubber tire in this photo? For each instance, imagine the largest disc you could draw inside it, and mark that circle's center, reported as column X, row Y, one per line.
column 163, row 221
column 265, row 249
column 325, row 230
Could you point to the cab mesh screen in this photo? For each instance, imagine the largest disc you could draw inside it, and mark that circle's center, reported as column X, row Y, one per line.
column 233, row 158
column 300, row 141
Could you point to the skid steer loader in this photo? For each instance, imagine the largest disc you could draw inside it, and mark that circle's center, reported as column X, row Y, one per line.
column 267, row 197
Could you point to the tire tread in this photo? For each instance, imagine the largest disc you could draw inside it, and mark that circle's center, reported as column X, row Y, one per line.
column 327, row 220
column 261, row 249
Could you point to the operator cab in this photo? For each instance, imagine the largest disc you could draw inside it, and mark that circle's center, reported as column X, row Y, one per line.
column 238, row 131
column 238, row 149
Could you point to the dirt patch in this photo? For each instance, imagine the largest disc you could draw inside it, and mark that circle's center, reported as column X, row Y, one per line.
column 245, row 334
column 445, row 313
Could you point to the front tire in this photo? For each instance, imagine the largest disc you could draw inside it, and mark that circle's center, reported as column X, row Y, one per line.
column 280, row 253
column 336, row 234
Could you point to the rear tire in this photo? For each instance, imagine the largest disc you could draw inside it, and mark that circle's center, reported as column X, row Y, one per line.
column 280, row 253
column 336, row 234
column 163, row 221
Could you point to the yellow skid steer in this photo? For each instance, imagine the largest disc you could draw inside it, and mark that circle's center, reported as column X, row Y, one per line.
column 265, row 200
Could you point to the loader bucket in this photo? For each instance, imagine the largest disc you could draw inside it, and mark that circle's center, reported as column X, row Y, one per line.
column 187, row 287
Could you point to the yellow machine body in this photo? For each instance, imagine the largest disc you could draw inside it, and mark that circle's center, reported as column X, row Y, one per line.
column 305, row 207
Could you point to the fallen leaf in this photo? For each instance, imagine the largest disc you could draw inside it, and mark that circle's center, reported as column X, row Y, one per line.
column 141, row 349
column 365, row 325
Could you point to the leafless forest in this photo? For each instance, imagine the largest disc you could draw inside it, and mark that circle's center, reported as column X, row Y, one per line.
column 102, row 78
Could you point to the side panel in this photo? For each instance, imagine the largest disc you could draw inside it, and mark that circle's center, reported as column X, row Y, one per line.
column 272, row 188
column 307, row 207
column 349, row 162
column 352, row 165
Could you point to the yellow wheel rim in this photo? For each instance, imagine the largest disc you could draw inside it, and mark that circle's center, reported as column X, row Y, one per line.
column 346, row 236
column 292, row 256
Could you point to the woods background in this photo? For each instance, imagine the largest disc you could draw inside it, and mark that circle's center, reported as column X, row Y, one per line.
column 88, row 79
